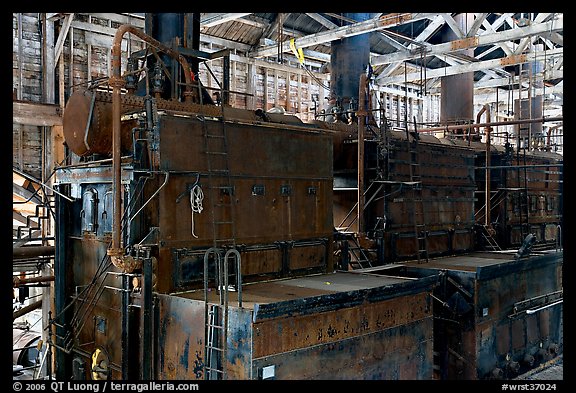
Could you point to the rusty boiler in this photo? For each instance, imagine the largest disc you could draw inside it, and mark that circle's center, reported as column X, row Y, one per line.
column 199, row 245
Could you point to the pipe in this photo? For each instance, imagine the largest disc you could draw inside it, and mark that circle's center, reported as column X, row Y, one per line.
column 495, row 123
column 17, row 281
column 27, row 309
column 486, row 108
column 116, row 81
column 361, row 121
column 32, row 251
column 535, row 310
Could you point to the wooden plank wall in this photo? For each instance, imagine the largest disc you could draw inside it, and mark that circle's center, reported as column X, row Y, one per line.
column 26, row 149
column 260, row 79
column 86, row 56
column 26, row 57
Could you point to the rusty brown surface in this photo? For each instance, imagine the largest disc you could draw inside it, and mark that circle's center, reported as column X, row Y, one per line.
column 270, row 157
column 399, row 353
column 447, row 180
column 387, row 339
column 289, row 334
column 99, row 137
column 488, row 329
column 181, row 338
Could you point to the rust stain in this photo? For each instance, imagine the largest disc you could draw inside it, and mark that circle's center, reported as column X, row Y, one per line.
column 464, row 43
column 286, row 334
column 394, row 19
column 515, row 59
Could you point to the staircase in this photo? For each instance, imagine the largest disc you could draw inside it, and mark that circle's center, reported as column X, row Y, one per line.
column 26, row 198
column 358, row 256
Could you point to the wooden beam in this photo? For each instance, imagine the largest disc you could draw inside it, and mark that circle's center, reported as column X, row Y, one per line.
column 276, row 88
column 473, row 42
column 71, row 64
column 58, row 150
column 36, row 114
column 497, row 82
column 20, row 58
column 323, row 21
column 22, row 194
column 250, row 82
column 273, row 66
column 21, row 147
column 134, row 20
column 20, row 218
column 478, row 66
column 492, row 28
column 62, row 36
column 216, row 19
column 48, row 61
column 453, row 25
column 374, row 24
column 255, row 21
column 476, row 25
column 265, row 106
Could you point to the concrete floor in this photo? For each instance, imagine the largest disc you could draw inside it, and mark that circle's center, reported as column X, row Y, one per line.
column 553, row 370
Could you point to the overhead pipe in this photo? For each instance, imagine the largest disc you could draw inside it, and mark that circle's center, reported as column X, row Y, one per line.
column 495, row 123
column 362, row 115
column 17, row 281
column 486, row 108
column 32, row 251
column 116, row 252
column 27, row 309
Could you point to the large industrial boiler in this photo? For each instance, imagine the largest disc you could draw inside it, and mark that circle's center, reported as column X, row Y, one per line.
column 485, row 219
column 196, row 240
column 199, row 242
column 498, row 298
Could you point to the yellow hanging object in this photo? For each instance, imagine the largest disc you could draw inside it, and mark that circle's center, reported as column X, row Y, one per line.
column 297, row 51
column 99, row 365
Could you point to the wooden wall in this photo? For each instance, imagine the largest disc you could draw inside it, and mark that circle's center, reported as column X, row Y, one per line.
column 26, row 57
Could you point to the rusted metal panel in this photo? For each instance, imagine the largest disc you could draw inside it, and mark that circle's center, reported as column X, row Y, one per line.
column 239, row 353
column 308, row 255
column 462, row 240
column 374, row 334
column 402, row 352
column 515, row 59
column 96, row 318
column 180, row 338
column 464, row 43
column 483, row 330
column 297, row 332
column 292, row 191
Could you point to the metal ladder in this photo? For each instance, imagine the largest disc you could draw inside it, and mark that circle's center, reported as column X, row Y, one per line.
column 216, row 315
column 224, row 236
column 418, row 217
column 221, row 196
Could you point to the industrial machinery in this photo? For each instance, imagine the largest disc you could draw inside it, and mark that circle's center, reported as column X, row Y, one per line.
column 407, row 203
column 199, row 243
column 210, row 242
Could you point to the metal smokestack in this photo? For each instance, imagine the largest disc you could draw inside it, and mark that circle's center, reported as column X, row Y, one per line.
column 457, row 91
column 529, row 106
column 348, row 59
